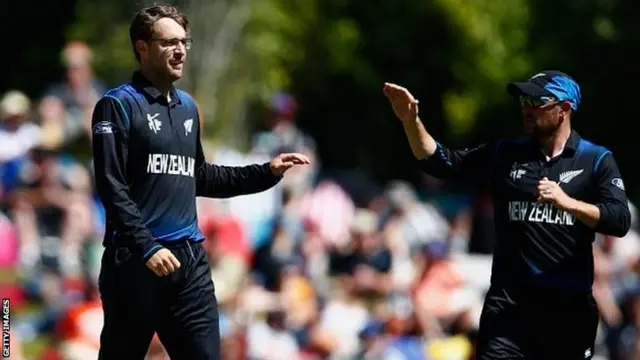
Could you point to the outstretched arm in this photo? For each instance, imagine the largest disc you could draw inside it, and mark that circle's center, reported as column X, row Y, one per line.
column 405, row 106
column 217, row 181
column 435, row 158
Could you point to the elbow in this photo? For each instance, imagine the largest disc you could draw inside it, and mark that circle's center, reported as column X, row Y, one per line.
column 420, row 153
column 624, row 224
column 615, row 220
column 199, row 190
column 619, row 231
column 438, row 164
column 432, row 167
column 214, row 192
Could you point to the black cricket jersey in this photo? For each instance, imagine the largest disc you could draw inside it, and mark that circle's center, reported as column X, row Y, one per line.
column 150, row 166
column 537, row 243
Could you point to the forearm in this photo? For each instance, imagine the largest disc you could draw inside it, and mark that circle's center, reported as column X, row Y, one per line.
column 606, row 303
column 125, row 219
column 587, row 213
column 227, row 181
column 608, row 218
column 422, row 143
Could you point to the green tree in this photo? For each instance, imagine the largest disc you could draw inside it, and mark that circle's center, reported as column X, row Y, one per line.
column 455, row 57
column 242, row 51
column 104, row 25
column 490, row 51
column 335, row 55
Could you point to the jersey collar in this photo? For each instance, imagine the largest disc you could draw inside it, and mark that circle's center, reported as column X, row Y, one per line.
column 143, row 83
column 570, row 147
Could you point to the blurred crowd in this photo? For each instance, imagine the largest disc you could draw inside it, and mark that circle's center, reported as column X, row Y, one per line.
column 323, row 266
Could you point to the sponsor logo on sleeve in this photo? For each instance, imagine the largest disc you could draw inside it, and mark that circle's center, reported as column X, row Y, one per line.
column 617, row 182
column 104, row 127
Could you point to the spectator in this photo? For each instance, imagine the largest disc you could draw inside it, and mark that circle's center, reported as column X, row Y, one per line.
column 615, row 289
column 283, row 132
column 417, row 221
column 444, row 302
column 255, row 210
column 80, row 327
column 52, row 210
column 66, row 107
column 405, row 334
column 340, row 337
column 18, row 135
column 229, row 256
column 365, row 257
column 269, row 339
column 272, row 257
column 331, row 210
column 299, row 299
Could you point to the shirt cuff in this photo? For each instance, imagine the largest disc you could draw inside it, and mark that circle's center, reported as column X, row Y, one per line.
column 266, row 167
column 151, row 251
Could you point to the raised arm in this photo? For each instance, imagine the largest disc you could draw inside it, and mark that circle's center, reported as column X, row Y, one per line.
column 405, row 106
column 435, row 158
column 470, row 165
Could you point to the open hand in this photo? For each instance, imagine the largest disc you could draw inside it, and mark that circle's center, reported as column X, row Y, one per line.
column 283, row 162
column 404, row 105
column 163, row 263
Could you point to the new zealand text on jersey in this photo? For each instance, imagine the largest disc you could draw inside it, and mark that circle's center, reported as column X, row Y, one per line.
column 171, row 164
column 539, row 213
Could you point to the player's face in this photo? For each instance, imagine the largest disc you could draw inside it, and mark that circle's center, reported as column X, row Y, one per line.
column 167, row 50
column 542, row 116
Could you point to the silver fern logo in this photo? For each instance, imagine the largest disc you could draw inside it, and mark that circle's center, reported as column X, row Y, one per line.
column 567, row 176
column 188, row 124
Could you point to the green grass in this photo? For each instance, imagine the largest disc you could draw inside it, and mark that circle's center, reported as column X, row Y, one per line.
column 34, row 349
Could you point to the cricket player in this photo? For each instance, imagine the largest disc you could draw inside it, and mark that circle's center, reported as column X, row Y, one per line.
column 149, row 168
column 552, row 190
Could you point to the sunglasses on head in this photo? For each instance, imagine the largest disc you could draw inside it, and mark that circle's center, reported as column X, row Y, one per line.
column 536, row 101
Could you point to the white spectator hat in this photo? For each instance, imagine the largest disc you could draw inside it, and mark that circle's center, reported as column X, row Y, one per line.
column 14, row 103
column 364, row 222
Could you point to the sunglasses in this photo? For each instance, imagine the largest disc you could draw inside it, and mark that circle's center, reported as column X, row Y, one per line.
column 536, row 101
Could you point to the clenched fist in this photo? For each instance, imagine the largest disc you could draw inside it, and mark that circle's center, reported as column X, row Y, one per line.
column 163, row 262
column 551, row 192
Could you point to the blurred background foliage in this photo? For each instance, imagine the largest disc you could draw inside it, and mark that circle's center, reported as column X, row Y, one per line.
column 334, row 55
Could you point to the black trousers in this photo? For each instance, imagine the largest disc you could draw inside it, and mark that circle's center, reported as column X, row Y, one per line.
column 537, row 324
column 181, row 307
